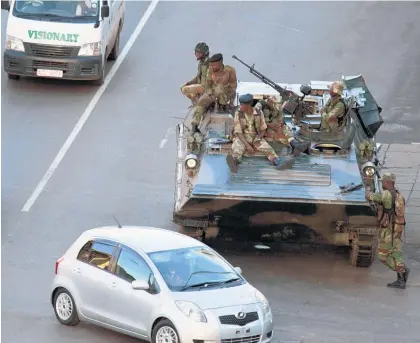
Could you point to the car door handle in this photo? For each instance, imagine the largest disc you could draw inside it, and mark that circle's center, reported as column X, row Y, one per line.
column 112, row 285
column 76, row 270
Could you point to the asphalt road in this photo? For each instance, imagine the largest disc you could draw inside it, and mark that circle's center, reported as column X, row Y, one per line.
column 122, row 162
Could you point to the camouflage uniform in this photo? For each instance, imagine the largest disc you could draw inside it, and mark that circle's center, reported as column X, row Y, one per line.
column 334, row 108
column 275, row 116
column 220, row 86
column 390, row 243
column 250, row 126
column 195, row 88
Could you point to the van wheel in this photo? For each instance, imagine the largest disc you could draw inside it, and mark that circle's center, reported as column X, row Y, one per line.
column 65, row 308
column 13, row 76
column 116, row 49
column 165, row 332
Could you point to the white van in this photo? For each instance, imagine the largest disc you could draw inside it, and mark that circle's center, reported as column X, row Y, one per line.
column 65, row 39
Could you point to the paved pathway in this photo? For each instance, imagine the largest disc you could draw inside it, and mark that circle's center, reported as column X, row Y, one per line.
column 404, row 161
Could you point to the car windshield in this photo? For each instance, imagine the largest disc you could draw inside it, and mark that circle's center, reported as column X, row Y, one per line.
column 71, row 10
column 194, row 269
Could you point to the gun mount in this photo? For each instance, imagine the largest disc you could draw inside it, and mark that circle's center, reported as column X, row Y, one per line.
column 294, row 104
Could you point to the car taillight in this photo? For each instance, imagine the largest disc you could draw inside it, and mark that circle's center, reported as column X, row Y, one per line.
column 57, row 264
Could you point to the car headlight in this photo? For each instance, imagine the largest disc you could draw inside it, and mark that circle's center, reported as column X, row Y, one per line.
column 369, row 169
column 191, row 161
column 13, row 43
column 192, row 311
column 90, row 49
column 263, row 301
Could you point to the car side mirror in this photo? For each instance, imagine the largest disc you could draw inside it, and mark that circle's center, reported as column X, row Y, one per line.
column 238, row 270
column 104, row 11
column 140, row 285
column 5, row 5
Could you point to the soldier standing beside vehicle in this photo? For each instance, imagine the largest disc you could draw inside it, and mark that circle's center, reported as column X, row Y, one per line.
column 334, row 110
column 391, row 217
column 195, row 88
column 249, row 131
column 277, row 129
column 221, row 86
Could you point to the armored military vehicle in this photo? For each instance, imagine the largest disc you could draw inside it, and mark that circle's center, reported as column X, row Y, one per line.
column 320, row 199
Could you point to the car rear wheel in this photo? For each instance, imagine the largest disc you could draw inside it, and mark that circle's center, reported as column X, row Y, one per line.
column 165, row 332
column 65, row 308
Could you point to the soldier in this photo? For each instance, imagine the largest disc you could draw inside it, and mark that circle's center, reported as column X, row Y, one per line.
column 249, row 130
column 334, row 109
column 195, row 88
column 277, row 129
column 391, row 217
column 221, row 85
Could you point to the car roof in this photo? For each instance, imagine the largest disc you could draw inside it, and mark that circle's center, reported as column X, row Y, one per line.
column 149, row 239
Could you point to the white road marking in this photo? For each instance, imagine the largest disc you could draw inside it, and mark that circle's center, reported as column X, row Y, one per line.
column 165, row 139
column 89, row 109
column 415, row 142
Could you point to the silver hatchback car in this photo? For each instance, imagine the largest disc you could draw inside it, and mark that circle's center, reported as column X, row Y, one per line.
column 159, row 286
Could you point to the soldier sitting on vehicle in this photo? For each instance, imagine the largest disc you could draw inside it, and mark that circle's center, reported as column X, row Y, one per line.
column 220, row 87
column 277, row 130
column 334, row 110
column 196, row 87
column 249, row 131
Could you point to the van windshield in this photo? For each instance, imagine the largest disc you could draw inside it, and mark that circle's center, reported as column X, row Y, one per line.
column 84, row 11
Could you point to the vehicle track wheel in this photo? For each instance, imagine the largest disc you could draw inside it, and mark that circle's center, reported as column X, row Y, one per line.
column 65, row 308
column 363, row 251
column 13, row 76
column 165, row 332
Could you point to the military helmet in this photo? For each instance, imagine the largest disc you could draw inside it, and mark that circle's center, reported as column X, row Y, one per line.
column 389, row 177
column 337, row 87
column 203, row 48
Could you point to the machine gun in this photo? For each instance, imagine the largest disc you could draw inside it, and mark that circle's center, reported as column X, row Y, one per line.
column 294, row 104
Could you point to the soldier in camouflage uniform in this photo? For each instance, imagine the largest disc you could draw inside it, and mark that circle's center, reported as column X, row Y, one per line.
column 277, row 130
column 221, row 86
column 391, row 210
column 334, row 109
column 249, row 130
column 195, row 88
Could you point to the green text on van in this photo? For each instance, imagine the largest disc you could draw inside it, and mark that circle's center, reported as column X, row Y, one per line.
column 64, row 37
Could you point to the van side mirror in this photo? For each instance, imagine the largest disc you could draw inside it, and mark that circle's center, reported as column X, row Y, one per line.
column 5, row 5
column 104, row 11
column 238, row 270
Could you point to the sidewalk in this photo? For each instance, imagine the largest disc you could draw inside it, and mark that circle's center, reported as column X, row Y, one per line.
column 404, row 161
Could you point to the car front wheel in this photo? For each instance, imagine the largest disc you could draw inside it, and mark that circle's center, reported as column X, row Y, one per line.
column 65, row 308
column 165, row 332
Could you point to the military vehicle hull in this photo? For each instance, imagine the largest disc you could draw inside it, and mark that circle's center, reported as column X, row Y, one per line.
column 321, row 199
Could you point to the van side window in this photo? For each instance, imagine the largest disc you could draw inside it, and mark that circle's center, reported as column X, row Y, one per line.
column 101, row 254
column 131, row 266
column 84, row 252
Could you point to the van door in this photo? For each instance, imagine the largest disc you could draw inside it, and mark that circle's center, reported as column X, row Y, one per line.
column 113, row 10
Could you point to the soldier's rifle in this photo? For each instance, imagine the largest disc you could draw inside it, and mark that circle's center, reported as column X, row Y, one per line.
column 294, row 104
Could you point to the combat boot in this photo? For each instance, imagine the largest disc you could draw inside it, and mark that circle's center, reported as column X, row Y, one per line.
column 299, row 147
column 282, row 164
column 399, row 283
column 232, row 163
column 194, row 129
column 405, row 274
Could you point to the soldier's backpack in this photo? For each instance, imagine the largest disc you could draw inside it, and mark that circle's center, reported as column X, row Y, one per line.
column 399, row 207
column 395, row 216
